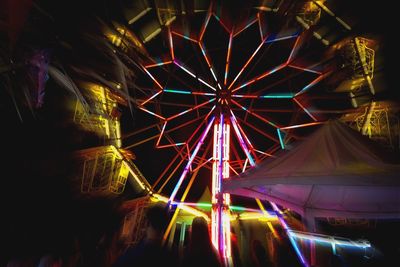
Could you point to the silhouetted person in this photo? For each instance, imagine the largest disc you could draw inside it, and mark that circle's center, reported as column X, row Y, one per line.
column 201, row 252
column 258, row 254
column 150, row 251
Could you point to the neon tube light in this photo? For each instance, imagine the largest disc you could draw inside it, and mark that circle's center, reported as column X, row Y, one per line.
column 185, row 171
column 203, row 51
column 265, row 74
column 280, row 138
column 242, row 143
column 159, row 139
column 254, row 114
column 188, row 92
column 183, row 68
column 184, row 36
column 333, row 240
column 222, row 24
column 245, row 65
column 271, row 39
column 158, row 64
column 309, row 114
column 294, row 50
column 301, row 125
column 288, row 232
column 171, row 44
column 150, row 98
column 269, row 96
column 190, row 109
column 205, row 24
column 304, row 69
column 152, row 113
column 154, row 79
column 245, row 27
column 228, row 56
column 311, row 84
column 194, row 76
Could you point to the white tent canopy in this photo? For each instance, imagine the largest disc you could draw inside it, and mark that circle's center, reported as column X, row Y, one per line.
column 336, row 172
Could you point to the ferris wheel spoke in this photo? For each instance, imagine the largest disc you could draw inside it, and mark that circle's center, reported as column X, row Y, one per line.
column 254, row 20
column 308, row 69
column 167, row 168
column 187, row 92
column 184, row 36
column 305, row 110
column 244, row 135
column 209, row 64
column 168, row 145
column 194, row 76
column 158, row 64
column 294, row 50
column 262, row 76
column 302, row 125
column 267, row 96
column 152, row 113
column 247, row 63
column 314, row 82
column 152, row 77
column 207, row 20
column 272, row 39
column 228, row 58
column 255, row 114
column 190, row 109
column 273, row 138
column 241, row 141
column 189, row 163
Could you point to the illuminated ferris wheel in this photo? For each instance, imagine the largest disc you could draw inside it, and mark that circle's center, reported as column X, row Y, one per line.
column 224, row 96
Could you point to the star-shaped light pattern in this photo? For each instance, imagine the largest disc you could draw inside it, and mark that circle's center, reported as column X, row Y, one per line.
column 222, row 77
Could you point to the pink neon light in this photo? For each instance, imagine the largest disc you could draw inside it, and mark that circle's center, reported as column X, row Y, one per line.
column 241, row 130
column 220, row 222
column 189, row 163
column 265, row 74
column 241, row 142
column 309, row 114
